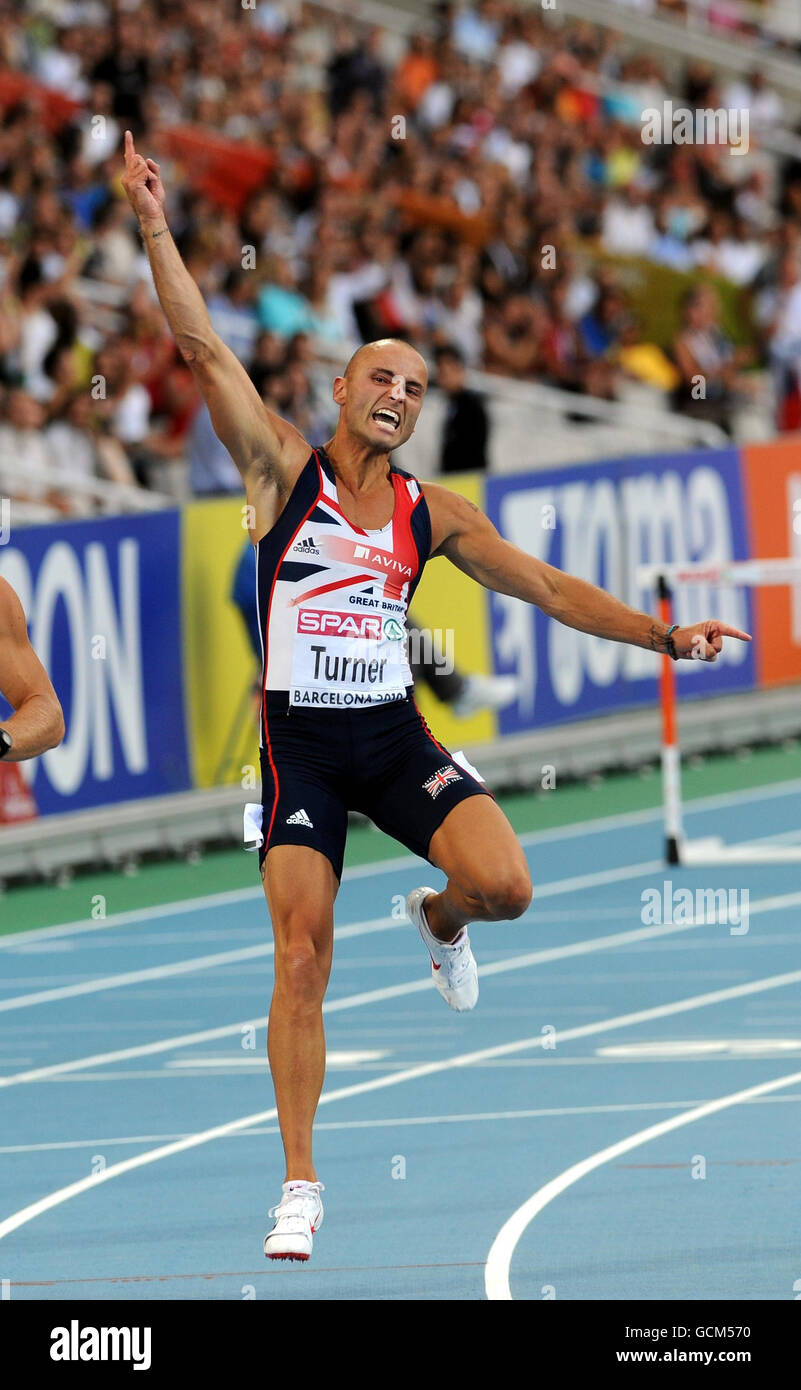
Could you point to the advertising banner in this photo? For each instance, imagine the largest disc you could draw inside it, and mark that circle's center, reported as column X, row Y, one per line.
column 772, row 475
column 600, row 522
column 104, row 614
column 136, row 621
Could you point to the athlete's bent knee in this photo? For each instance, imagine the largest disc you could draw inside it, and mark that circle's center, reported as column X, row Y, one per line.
column 300, row 974
column 509, row 896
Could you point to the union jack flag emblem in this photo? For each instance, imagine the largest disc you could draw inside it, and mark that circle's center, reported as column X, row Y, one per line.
column 441, row 779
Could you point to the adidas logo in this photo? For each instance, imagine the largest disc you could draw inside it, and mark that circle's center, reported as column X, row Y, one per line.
column 306, row 547
column 299, row 818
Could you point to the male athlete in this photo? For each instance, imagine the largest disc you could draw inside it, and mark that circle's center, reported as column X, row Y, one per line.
column 37, row 722
column 341, row 539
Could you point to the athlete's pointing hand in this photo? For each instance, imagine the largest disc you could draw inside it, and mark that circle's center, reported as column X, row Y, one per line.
column 142, row 183
column 704, row 641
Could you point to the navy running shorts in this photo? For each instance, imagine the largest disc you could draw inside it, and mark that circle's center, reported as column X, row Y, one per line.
column 382, row 761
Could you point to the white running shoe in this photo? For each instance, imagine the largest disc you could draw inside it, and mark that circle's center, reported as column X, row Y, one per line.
column 298, row 1215
column 485, row 692
column 453, row 966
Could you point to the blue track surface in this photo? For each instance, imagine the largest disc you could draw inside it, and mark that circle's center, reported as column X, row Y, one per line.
column 474, row 1140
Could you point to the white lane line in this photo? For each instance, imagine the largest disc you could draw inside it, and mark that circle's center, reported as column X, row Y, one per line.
column 598, row 825
column 336, row 1057
column 350, row 1001
column 136, row 915
column 398, row 1122
column 25, row 938
column 379, row 1083
column 496, row 1273
column 375, row 996
column 161, row 972
column 181, row 967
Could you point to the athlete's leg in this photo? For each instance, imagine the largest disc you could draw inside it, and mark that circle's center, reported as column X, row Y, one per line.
column 488, row 877
column 300, row 886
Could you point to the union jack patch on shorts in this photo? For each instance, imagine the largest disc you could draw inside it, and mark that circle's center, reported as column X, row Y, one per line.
column 441, row 779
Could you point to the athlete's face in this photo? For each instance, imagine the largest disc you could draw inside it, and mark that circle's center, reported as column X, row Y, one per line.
column 383, row 395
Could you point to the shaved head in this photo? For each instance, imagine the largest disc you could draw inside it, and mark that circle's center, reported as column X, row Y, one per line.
column 378, row 348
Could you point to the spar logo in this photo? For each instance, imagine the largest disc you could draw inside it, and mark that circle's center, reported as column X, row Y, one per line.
column 323, row 622
column 393, row 629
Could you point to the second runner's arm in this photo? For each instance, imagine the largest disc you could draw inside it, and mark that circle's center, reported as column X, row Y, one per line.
column 37, row 722
column 470, row 541
column 260, row 442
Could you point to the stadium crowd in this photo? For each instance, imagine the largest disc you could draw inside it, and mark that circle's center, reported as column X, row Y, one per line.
column 469, row 187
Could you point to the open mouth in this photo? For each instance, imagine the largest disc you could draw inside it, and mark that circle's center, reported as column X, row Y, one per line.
column 384, row 416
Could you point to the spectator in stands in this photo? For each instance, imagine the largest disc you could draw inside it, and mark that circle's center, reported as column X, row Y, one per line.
column 115, row 257
column 710, row 366
column 465, row 428
column 281, row 308
column 669, row 244
column 518, row 134
column 37, row 329
column 644, row 361
column 355, row 67
column 212, row 471
column 601, row 328
column 124, row 402
column 514, row 336
column 784, row 336
column 24, row 456
column 78, row 448
column 125, row 66
column 567, row 362
column 461, row 317
column 416, row 72
column 476, row 30
column 628, row 223
column 233, row 314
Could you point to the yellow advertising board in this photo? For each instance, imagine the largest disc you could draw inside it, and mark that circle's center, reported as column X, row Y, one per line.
column 218, row 661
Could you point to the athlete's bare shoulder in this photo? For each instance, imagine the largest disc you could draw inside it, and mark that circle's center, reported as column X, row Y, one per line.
column 12, row 618
column 450, row 512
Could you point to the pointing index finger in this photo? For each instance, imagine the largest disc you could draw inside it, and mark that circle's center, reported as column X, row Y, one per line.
column 726, row 631
column 130, row 150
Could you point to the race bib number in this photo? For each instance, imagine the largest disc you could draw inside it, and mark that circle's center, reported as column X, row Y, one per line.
column 347, row 659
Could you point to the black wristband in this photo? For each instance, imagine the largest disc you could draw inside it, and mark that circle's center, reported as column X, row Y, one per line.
column 6, row 743
column 670, row 645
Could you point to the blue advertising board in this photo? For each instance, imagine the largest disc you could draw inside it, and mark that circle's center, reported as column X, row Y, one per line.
column 103, row 603
column 599, row 522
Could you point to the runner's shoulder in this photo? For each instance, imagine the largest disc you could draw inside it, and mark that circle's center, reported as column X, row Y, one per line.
column 11, row 613
column 450, row 512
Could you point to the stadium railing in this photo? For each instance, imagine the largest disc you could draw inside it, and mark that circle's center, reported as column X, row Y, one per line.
column 109, row 498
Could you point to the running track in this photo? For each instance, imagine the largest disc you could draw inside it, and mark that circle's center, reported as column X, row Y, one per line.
column 548, row 1145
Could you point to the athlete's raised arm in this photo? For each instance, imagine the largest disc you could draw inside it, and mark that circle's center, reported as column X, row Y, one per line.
column 37, row 723
column 263, row 446
column 468, row 538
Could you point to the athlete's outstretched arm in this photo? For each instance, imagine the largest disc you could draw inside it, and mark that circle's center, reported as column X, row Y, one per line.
column 259, row 441
column 468, row 538
column 37, row 723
